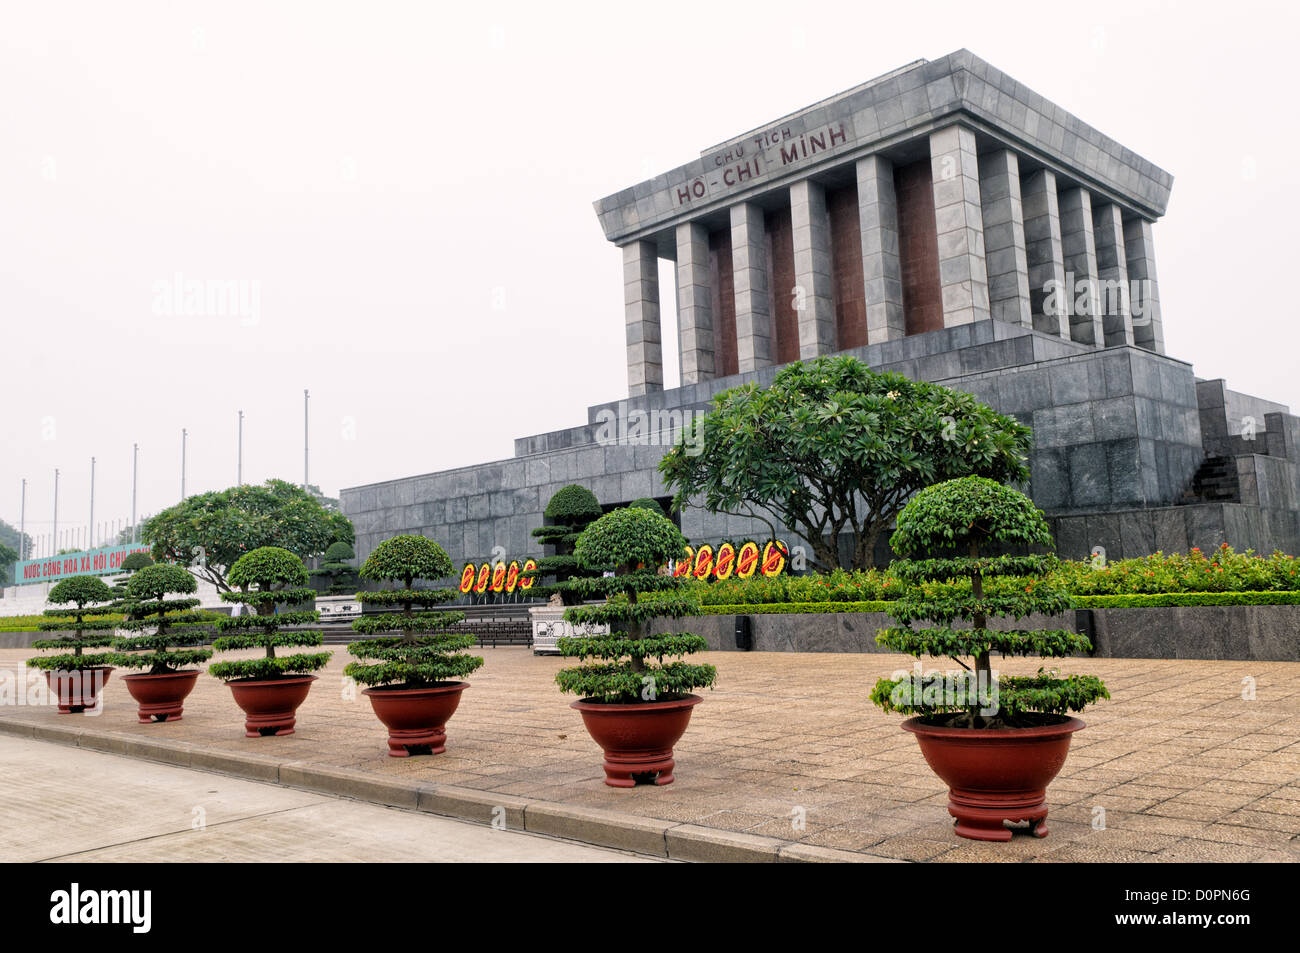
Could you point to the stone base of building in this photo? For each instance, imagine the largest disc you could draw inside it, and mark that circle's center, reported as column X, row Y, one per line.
column 1132, row 453
column 1243, row 633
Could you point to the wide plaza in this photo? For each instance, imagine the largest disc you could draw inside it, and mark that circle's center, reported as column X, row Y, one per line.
column 785, row 759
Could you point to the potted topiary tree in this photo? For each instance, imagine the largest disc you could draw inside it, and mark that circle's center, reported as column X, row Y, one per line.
column 337, row 568
column 74, row 676
column 571, row 510
column 269, row 689
column 168, row 630
column 635, row 705
column 996, row 741
column 414, row 676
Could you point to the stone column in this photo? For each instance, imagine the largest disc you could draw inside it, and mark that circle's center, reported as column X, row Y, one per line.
column 753, row 288
column 645, row 361
column 1112, row 274
column 1004, row 238
column 811, row 229
column 1043, row 254
column 694, row 303
column 1148, row 332
column 881, row 269
column 1079, row 248
column 963, row 277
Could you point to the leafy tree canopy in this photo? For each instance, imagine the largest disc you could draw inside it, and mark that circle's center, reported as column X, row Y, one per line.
column 82, row 590
column 573, row 504
column 626, row 537
column 210, row 531
column 407, row 557
column 136, row 561
column 833, row 450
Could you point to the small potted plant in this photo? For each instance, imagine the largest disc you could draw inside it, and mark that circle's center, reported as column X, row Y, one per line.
column 414, row 676
column 996, row 741
column 269, row 688
column 74, row 675
column 167, row 632
column 635, row 705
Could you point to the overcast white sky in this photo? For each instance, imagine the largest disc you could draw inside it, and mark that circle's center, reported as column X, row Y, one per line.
column 411, row 185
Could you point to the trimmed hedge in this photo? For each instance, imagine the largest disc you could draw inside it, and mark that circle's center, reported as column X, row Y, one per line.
column 1130, row 601
column 796, row 608
column 1171, row 599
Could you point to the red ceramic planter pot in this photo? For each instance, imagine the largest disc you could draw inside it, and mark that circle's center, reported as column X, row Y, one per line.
column 270, row 705
column 416, row 718
column 637, row 739
column 77, row 689
column 996, row 774
column 160, row 697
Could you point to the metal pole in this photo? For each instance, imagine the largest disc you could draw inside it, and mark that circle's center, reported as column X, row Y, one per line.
column 135, row 470
column 22, row 524
column 91, row 524
column 305, row 397
column 184, row 435
column 55, row 531
column 239, row 472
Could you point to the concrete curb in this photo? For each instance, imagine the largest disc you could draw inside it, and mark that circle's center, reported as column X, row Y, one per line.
column 600, row 827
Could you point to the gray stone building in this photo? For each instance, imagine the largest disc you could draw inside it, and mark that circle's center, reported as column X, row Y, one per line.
column 943, row 221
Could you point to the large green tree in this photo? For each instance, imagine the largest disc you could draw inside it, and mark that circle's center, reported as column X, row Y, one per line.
column 11, row 549
column 834, row 450
column 210, row 531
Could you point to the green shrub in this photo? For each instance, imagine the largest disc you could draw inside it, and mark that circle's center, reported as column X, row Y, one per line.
column 424, row 654
column 633, row 543
column 1223, row 570
column 571, row 510
column 573, row 504
column 648, row 503
column 336, row 569
column 837, row 586
column 176, row 628
column 796, row 608
column 136, row 561
column 82, row 633
column 1168, row 599
column 942, row 535
column 268, row 576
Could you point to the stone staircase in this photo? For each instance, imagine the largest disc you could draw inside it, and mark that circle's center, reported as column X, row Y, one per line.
column 1215, row 481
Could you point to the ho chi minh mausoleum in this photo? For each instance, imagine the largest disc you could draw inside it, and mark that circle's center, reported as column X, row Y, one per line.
column 943, row 221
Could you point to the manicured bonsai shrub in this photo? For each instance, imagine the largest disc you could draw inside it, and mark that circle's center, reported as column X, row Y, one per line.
column 633, row 543
column 945, row 534
column 168, row 628
column 422, row 654
column 81, row 592
column 646, row 503
column 136, row 561
column 268, row 576
column 571, row 510
column 337, row 568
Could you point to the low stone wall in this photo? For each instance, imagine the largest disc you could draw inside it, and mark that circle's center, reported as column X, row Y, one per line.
column 18, row 640
column 1246, row 633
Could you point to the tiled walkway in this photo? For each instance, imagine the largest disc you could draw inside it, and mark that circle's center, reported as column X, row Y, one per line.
column 1177, row 766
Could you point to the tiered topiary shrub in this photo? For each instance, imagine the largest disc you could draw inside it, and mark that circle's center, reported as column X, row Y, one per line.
column 996, row 741
column 74, row 675
column 336, row 569
column 414, row 676
column 269, row 688
column 168, row 632
column 635, row 705
column 571, row 510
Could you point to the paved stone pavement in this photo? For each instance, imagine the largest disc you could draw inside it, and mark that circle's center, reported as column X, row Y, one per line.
column 142, row 811
column 788, row 746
